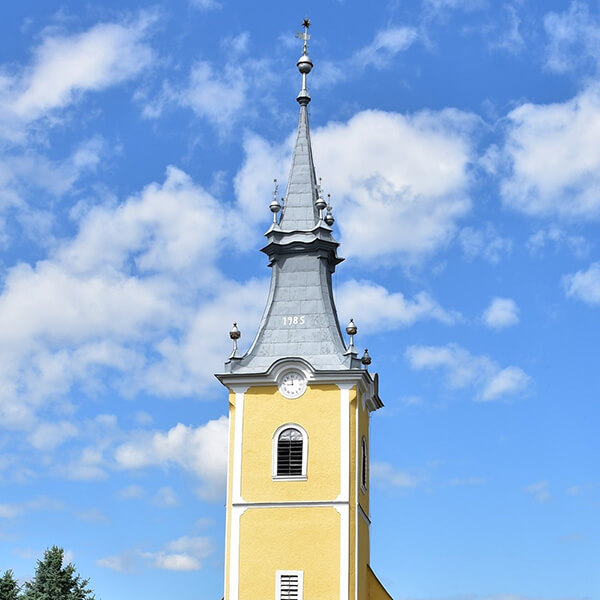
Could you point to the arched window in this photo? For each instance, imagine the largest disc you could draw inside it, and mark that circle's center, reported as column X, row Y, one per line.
column 289, row 452
column 364, row 476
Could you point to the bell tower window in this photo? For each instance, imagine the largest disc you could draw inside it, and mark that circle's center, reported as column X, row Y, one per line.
column 288, row 585
column 289, row 452
column 364, row 476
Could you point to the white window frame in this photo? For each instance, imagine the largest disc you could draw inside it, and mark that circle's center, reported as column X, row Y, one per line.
column 364, row 465
column 278, row 575
column 302, row 431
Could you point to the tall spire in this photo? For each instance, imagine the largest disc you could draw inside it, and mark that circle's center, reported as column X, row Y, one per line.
column 300, row 319
column 299, row 211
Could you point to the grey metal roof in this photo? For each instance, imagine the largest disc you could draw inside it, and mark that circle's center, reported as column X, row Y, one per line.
column 299, row 212
column 300, row 319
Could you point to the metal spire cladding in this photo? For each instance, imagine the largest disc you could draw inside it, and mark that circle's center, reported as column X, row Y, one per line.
column 300, row 319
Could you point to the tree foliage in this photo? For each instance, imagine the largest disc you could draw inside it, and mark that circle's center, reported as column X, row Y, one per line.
column 9, row 587
column 52, row 581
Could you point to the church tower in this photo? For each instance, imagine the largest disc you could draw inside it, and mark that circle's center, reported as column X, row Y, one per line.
column 297, row 525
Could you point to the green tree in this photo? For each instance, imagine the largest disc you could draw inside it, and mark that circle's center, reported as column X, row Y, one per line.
column 9, row 588
column 52, row 581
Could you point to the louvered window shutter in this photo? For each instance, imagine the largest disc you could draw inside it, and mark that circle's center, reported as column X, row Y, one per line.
column 289, row 585
column 289, row 453
column 365, row 464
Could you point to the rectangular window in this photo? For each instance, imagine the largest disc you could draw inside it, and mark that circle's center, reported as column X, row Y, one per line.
column 288, row 585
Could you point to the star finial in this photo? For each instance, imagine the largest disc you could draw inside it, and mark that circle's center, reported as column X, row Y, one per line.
column 303, row 35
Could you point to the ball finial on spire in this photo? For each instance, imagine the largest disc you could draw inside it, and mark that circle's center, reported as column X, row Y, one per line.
column 304, row 63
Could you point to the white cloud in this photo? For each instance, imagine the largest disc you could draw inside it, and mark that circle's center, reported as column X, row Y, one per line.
column 584, row 285
column 502, row 312
column 92, row 515
column 9, row 511
column 467, row 482
column 511, row 39
column 143, row 418
column 463, row 369
column 384, row 47
column 165, row 497
column 554, row 163
column 253, row 182
column 574, row 37
column 217, row 95
column 47, row 436
column 484, row 242
column 375, row 308
column 400, row 182
column 90, row 465
column 184, row 554
column 539, row 490
column 43, row 503
column 218, row 91
column 124, row 563
column 201, row 450
column 386, row 476
column 131, row 492
column 379, row 53
column 205, row 4
column 442, row 5
column 121, row 288
column 65, row 66
column 559, row 238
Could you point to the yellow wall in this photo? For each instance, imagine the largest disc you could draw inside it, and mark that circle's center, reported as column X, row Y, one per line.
column 305, row 539
column 300, row 538
column 363, row 430
column 376, row 589
column 318, row 412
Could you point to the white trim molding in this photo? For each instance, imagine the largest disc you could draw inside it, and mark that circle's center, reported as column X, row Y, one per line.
column 238, row 435
column 234, row 552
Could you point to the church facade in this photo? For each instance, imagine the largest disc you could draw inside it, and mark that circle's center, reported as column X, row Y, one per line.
column 297, row 521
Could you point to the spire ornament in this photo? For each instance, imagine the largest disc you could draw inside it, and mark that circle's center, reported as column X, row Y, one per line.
column 275, row 207
column 366, row 359
column 329, row 217
column 235, row 334
column 320, row 203
column 351, row 330
column 304, row 63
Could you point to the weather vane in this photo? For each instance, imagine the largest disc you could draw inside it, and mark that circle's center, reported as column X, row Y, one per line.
column 303, row 35
column 304, row 63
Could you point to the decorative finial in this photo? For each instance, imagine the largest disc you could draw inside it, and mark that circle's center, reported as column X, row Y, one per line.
column 366, row 359
column 235, row 334
column 275, row 206
column 351, row 330
column 304, row 63
column 329, row 217
column 320, row 203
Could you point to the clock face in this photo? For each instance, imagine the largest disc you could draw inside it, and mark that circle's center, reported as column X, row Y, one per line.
column 292, row 384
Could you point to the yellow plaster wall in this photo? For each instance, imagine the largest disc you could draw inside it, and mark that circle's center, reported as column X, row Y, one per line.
column 304, row 539
column 363, row 559
column 376, row 589
column 363, row 430
column 318, row 412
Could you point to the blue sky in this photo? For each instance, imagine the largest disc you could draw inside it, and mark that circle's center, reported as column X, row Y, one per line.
column 459, row 141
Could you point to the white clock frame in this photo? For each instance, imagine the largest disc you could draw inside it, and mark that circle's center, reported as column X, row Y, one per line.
column 303, row 383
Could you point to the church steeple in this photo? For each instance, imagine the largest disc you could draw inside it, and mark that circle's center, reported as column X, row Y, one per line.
column 297, row 524
column 300, row 319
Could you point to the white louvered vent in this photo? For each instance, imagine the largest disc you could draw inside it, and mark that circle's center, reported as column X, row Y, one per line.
column 289, row 585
